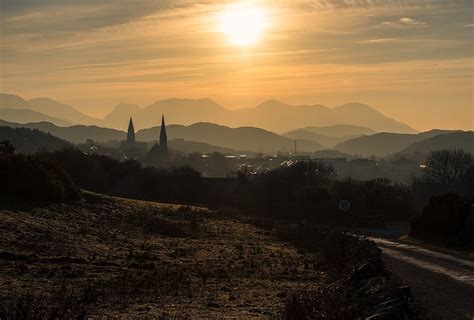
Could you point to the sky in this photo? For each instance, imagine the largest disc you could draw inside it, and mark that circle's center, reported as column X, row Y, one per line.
column 410, row 59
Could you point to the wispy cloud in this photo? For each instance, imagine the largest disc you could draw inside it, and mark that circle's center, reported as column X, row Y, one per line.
column 406, row 21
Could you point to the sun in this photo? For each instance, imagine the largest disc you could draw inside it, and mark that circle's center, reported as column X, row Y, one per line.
column 243, row 23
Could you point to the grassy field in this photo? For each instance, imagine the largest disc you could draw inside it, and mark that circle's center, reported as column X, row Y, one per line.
column 106, row 256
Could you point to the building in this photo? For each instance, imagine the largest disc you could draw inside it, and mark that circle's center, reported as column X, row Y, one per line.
column 159, row 154
column 130, row 148
column 131, row 133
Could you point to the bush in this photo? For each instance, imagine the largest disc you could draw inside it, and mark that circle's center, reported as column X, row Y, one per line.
column 392, row 201
column 34, row 178
column 447, row 219
column 446, row 171
column 103, row 174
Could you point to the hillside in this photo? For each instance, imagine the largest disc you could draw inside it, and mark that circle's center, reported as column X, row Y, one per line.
column 31, row 140
column 178, row 111
column 60, row 110
column 15, row 109
column 105, row 257
column 244, row 138
column 11, row 101
column 457, row 140
column 27, row 116
column 120, row 115
column 340, row 130
column 74, row 134
column 281, row 117
column 383, row 144
column 198, row 137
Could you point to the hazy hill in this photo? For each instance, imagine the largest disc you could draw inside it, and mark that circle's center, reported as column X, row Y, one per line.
column 330, row 135
column 243, row 138
column 11, row 101
column 340, row 130
column 456, row 140
column 120, row 116
column 181, row 111
column 60, row 110
column 75, row 134
column 26, row 116
column 321, row 139
column 31, row 140
column 281, row 117
column 383, row 144
column 271, row 115
column 15, row 109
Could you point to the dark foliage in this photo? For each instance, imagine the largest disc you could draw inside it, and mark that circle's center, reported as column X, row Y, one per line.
column 33, row 177
column 103, row 174
column 378, row 197
column 306, row 189
column 6, row 147
column 362, row 287
column 446, row 219
column 446, row 171
column 31, row 140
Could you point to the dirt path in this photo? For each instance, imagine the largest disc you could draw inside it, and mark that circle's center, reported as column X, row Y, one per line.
column 443, row 281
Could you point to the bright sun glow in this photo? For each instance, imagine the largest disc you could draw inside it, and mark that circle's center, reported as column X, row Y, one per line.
column 244, row 24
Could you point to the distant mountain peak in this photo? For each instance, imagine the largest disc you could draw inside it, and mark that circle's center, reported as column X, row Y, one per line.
column 273, row 103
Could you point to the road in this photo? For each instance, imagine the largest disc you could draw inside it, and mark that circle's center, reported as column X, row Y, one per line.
column 441, row 280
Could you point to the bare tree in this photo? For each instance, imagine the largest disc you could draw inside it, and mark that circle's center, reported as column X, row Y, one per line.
column 448, row 167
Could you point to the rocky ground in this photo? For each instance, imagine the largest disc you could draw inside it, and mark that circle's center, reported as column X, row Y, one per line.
column 105, row 256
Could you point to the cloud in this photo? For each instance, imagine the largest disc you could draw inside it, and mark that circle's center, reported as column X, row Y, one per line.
column 412, row 22
column 406, row 21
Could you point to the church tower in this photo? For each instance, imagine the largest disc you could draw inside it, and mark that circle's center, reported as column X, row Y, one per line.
column 131, row 132
column 158, row 154
column 163, row 139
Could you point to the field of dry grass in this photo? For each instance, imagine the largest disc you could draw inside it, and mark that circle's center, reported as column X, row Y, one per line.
column 105, row 256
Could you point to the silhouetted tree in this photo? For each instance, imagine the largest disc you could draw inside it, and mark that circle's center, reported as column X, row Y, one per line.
column 6, row 147
column 448, row 167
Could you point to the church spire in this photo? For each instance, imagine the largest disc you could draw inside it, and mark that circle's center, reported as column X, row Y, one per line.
column 131, row 132
column 163, row 140
column 163, row 136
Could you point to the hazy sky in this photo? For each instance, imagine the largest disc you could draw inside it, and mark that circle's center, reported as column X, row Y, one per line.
column 410, row 59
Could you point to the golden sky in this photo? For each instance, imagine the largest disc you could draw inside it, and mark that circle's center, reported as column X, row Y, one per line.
column 410, row 59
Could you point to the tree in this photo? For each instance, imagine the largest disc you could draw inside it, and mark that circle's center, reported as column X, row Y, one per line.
column 448, row 167
column 6, row 147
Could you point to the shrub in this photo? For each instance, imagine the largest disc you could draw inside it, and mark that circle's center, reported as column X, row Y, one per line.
column 447, row 219
column 382, row 197
column 33, row 177
column 103, row 174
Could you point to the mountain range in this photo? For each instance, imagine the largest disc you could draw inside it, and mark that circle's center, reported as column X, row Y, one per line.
column 208, row 137
column 242, row 139
column 271, row 115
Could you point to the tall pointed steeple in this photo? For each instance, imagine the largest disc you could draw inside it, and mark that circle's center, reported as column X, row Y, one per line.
column 131, row 132
column 163, row 136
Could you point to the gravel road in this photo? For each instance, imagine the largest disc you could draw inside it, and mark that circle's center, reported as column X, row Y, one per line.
column 443, row 281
